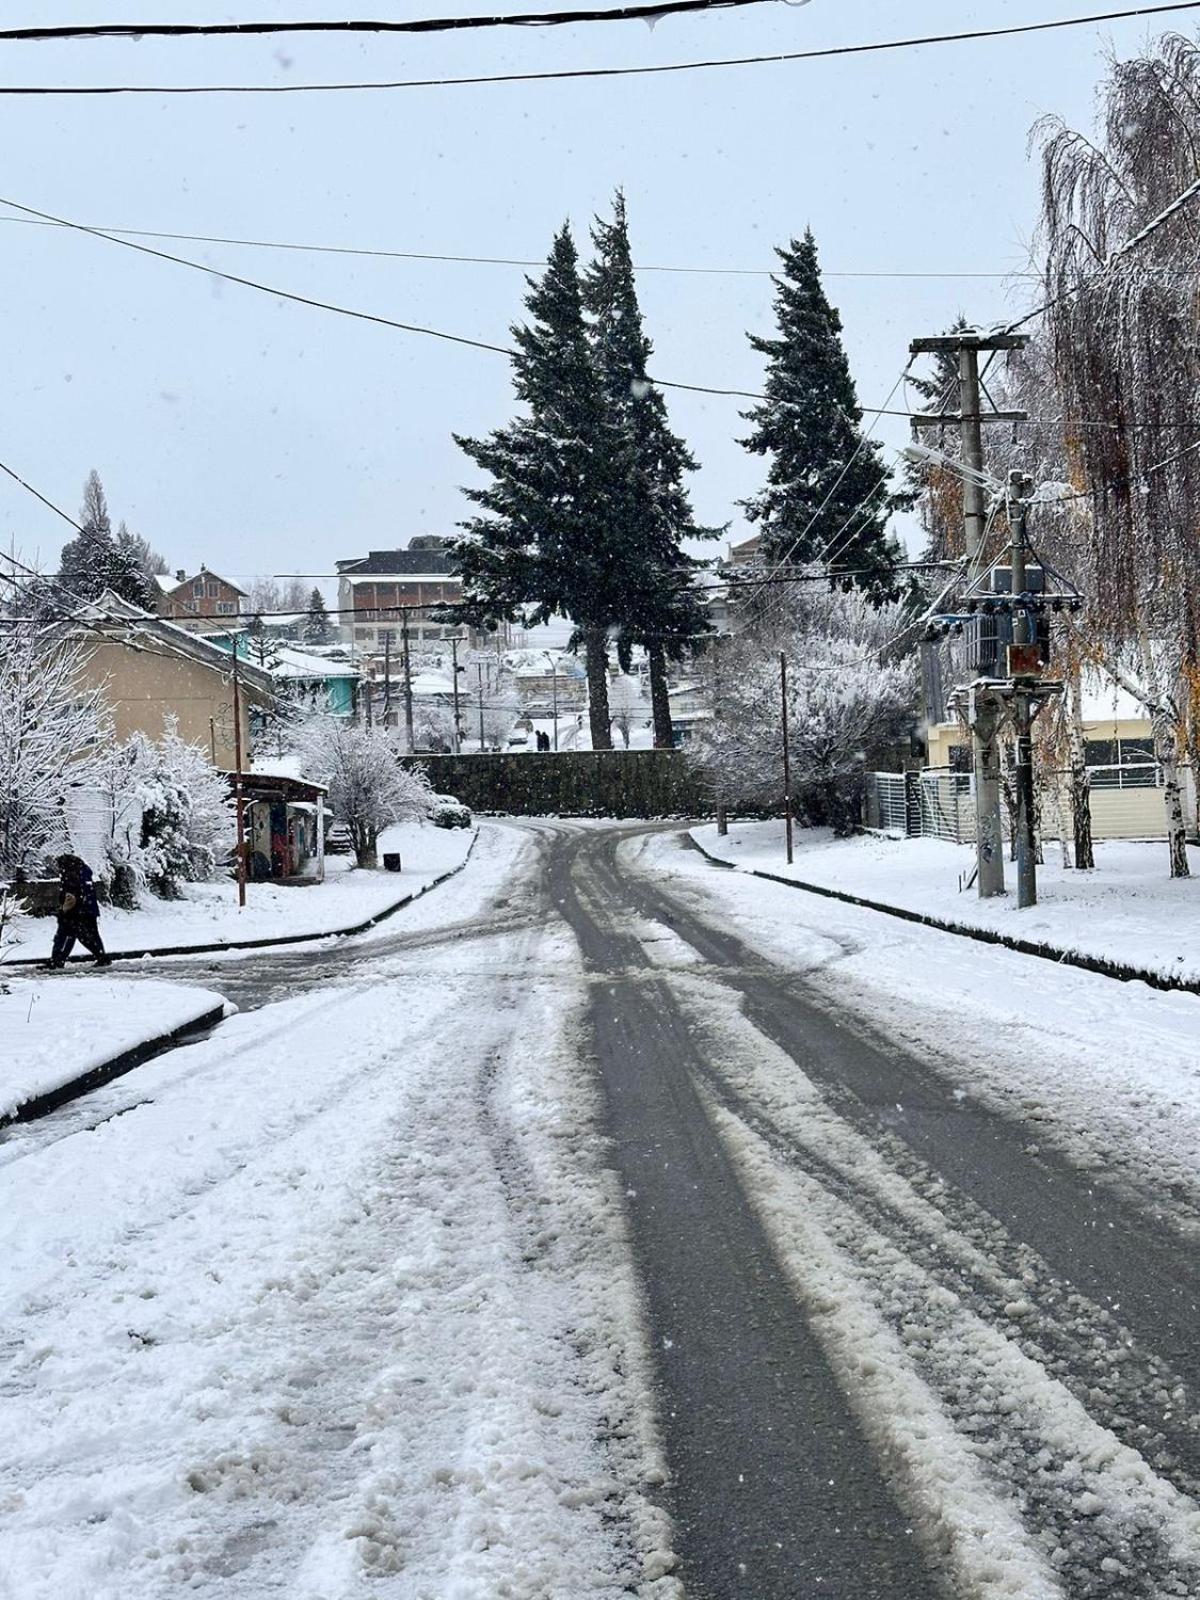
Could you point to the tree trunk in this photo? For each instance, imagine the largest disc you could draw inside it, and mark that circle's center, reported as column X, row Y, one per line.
column 1081, row 783
column 660, row 701
column 1166, row 753
column 595, row 642
column 364, row 840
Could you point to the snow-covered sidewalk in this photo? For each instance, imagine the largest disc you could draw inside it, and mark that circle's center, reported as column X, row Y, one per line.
column 59, row 1029
column 1126, row 911
column 209, row 914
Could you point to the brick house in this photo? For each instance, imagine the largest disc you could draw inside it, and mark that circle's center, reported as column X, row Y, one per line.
column 198, row 602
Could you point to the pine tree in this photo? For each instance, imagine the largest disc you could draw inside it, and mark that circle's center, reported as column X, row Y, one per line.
column 88, row 564
column 554, row 536
column 316, row 622
column 662, row 611
column 130, row 577
column 827, row 496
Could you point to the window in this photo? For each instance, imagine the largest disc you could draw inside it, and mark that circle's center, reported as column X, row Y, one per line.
column 226, row 608
column 214, row 589
column 198, row 588
column 364, row 633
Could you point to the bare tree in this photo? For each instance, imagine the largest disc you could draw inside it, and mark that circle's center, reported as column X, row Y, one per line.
column 51, row 722
column 1121, row 236
column 368, row 788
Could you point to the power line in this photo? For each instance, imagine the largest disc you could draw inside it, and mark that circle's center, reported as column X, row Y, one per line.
column 263, row 288
column 576, row 73
column 482, row 261
column 215, row 30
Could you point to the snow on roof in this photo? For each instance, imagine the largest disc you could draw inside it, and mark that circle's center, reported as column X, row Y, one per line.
column 294, row 662
column 431, row 683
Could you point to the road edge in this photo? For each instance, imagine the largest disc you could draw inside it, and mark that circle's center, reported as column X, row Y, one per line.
column 1123, row 972
column 115, row 1067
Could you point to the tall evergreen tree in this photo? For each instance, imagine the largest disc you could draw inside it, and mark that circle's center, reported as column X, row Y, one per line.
column 662, row 612
column 553, row 536
column 130, row 577
column 88, row 564
column 316, row 620
column 827, row 497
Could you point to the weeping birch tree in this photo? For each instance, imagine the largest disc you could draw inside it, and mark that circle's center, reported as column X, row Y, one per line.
column 1121, row 231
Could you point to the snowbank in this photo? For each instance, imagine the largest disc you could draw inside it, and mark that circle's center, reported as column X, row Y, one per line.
column 58, row 1029
column 209, row 913
column 1126, row 910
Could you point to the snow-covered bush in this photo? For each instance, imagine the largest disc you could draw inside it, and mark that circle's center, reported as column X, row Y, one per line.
column 13, row 911
column 368, row 788
column 626, row 705
column 171, row 817
column 849, row 693
column 51, row 724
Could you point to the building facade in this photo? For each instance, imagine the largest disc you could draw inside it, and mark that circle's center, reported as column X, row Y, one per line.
column 372, row 588
column 199, row 602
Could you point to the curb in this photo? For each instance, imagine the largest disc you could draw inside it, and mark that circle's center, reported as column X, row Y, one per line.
column 263, row 944
column 1122, row 971
column 115, row 1067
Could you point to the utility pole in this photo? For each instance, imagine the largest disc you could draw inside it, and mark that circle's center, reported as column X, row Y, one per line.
column 239, row 795
column 553, row 660
column 387, row 676
column 985, row 709
column 722, row 817
column 787, row 756
column 408, row 701
column 1024, row 645
column 457, row 738
column 479, row 670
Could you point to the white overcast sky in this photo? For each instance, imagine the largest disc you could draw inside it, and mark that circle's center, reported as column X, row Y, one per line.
column 260, row 436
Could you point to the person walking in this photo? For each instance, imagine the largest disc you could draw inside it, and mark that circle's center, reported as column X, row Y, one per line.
column 78, row 913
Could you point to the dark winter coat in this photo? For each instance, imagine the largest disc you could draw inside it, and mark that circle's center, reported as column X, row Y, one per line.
column 76, row 888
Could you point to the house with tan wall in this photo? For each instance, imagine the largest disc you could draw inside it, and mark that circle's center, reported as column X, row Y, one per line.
column 150, row 669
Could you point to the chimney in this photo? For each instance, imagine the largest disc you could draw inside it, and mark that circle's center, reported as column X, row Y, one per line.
column 180, row 575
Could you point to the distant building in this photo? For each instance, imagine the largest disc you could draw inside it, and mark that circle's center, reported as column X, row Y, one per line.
column 371, row 587
column 198, row 602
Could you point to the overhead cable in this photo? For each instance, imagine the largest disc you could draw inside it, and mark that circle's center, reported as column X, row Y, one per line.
column 216, row 30
column 574, row 73
column 482, row 261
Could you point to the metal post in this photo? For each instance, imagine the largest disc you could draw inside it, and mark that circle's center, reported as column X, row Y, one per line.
column 554, row 693
column 238, row 790
column 479, row 670
column 787, row 762
column 455, row 741
column 1019, row 488
column 408, row 698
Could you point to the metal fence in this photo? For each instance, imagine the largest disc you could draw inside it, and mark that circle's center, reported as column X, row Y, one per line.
column 939, row 802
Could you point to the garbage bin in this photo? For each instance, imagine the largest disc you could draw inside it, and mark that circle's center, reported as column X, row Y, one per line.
column 391, row 861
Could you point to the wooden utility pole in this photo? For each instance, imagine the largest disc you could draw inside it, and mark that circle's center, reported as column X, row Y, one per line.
column 787, row 757
column 479, row 670
column 457, row 738
column 239, row 793
column 387, row 676
column 985, row 709
column 408, row 700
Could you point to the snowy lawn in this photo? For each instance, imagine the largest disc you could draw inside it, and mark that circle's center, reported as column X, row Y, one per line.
column 54, row 1030
column 209, row 913
column 1127, row 909
column 1109, row 1071
column 341, row 1303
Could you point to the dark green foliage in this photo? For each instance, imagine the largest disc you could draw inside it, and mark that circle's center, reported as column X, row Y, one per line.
column 96, row 559
column 661, row 609
column 574, row 783
column 316, row 620
column 551, row 537
column 827, row 497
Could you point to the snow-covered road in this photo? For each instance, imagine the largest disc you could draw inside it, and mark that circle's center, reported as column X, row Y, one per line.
column 610, row 1210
